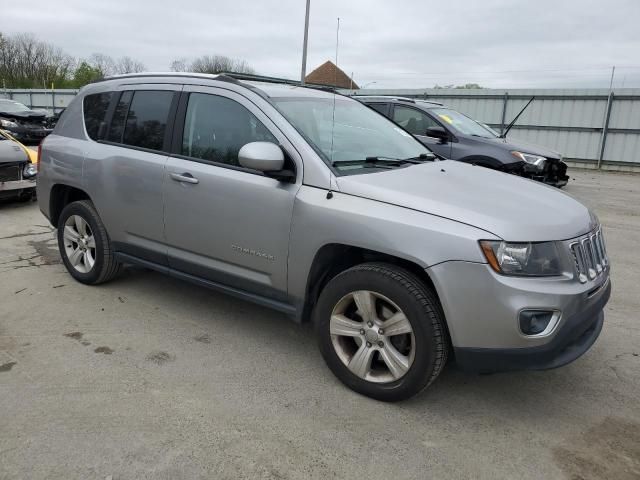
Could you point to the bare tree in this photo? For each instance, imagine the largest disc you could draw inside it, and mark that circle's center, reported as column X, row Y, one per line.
column 103, row 63
column 212, row 64
column 179, row 65
column 129, row 65
column 28, row 62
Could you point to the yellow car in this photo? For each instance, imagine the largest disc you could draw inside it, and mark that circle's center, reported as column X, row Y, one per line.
column 18, row 168
column 31, row 152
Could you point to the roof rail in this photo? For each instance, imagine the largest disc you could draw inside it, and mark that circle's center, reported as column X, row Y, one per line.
column 224, row 76
column 249, row 77
column 157, row 74
column 396, row 98
column 386, row 97
column 429, row 101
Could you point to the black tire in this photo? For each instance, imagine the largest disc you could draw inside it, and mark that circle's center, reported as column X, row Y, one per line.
column 420, row 306
column 106, row 267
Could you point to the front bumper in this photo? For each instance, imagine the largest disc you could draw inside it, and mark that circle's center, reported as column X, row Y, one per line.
column 572, row 340
column 17, row 185
column 482, row 308
column 553, row 173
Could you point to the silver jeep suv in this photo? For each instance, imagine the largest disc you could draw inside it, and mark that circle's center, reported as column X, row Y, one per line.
column 313, row 204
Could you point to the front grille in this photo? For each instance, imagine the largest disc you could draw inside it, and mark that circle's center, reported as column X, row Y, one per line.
column 9, row 173
column 590, row 256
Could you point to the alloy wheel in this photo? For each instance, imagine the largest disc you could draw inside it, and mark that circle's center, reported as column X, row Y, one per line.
column 372, row 336
column 79, row 244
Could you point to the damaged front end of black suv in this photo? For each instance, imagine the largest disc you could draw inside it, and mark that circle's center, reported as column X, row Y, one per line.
column 26, row 125
column 552, row 171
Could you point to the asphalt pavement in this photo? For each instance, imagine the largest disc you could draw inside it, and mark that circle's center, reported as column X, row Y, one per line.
column 150, row 377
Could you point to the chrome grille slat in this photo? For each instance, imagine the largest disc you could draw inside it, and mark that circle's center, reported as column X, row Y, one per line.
column 589, row 256
column 588, row 253
column 597, row 262
column 602, row 248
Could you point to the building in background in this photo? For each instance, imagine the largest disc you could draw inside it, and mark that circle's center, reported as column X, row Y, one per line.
column 329, row 74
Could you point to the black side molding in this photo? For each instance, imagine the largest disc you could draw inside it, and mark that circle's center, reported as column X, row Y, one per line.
column 283, row 307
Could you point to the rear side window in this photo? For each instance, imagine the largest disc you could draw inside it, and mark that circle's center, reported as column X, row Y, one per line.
column 95, row 110
column 412, row 120
column 119, row 116
column 146, row 120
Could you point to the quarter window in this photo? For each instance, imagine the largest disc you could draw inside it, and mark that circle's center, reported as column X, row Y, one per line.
column 383, row 108
column 413, row 120
column 216, row 128
column 146, row 121
column 95, row 109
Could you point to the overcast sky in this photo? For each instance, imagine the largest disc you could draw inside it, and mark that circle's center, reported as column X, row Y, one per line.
column 402, row 43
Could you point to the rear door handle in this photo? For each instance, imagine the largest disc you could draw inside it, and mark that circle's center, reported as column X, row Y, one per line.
column 184, row 178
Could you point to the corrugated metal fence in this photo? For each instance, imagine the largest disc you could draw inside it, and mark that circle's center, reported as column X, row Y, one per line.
column 586, row 126
column 51, row 100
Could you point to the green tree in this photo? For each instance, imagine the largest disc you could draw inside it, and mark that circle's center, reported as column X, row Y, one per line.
column 85, row 74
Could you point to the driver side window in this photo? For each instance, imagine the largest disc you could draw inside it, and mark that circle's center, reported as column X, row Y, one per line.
column 216, row 128
column 412, row 120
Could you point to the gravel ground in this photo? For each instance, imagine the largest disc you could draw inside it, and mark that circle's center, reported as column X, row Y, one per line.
column 148, row 377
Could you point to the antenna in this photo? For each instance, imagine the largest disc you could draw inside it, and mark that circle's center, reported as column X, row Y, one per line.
column 304, row 44
column 333, row 114
column 337, row 43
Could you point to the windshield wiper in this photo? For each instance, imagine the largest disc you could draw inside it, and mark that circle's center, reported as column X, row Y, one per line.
column 374, row 161
column 423, row 157
column 386, row 162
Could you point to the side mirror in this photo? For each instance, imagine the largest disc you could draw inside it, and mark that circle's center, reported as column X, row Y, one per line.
column 438, row 132
column 262, row 156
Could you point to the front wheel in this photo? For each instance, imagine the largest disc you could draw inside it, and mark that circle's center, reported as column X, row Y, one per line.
column 84, row 245
column 381, row 331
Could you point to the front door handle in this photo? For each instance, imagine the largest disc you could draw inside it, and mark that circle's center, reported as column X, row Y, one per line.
column 184, row 178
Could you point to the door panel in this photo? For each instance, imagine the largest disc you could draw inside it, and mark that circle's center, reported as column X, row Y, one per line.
column 126, row 187
column 126, row 181
column 232, row 226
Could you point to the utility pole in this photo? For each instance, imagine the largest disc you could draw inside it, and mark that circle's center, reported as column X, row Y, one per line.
column 304, row 44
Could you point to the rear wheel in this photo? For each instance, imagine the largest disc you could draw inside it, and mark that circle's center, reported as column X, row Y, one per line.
column 84, row 245
column 381, row 331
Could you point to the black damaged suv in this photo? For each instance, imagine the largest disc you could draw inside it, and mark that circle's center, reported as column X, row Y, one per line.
column 26, row 125
column 453, row 135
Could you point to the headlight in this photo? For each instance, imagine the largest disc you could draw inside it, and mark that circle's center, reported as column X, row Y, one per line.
column 30, row 170
column 7, row 123
column 536, row 160
column 527, row 259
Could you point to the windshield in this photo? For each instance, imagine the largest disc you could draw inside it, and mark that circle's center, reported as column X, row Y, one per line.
column 462, row 123
column 10, row 106
column 356, row 133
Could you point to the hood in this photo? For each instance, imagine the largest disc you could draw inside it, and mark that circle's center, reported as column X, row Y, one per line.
column 11, row 152
column 25, row 115
column 521, row 146
column 511, row 207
